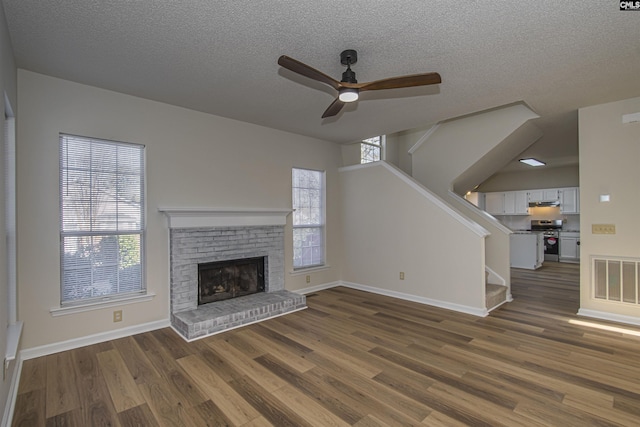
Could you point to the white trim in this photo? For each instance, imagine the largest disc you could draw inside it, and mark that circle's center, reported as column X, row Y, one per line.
column 400, row 295
column 471, row 225
column 110, row 302
column 604, row 315
column 235, row 327
column 481, row 312
column 74, row 343
column 317, row 288
column 7, row 418
column 304, row 270
column 494, row 276
column 14, row 331
column 487, row 216
column 423, row 138
column 223, row 217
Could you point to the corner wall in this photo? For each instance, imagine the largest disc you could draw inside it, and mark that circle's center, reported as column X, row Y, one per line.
column 8, row 87
column 609, row 156
column 393, row 225
column 193, row 160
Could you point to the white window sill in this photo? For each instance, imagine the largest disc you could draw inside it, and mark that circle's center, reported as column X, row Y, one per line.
column 301, row 271
column 97, row 305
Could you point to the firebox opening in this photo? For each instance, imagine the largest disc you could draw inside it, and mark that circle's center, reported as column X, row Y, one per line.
column 221, row 280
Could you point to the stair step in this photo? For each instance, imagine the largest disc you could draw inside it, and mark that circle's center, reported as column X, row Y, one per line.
column 495, row 295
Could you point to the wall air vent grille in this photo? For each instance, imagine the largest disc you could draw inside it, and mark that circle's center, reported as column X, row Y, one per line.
column 616, row 279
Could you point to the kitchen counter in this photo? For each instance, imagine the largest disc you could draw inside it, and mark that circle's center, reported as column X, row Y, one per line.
column 526, row 249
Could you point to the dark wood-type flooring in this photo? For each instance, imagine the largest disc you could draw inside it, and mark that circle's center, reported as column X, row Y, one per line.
column 356, row 359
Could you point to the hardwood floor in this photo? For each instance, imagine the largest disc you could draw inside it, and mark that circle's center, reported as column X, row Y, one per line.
column 357, row 359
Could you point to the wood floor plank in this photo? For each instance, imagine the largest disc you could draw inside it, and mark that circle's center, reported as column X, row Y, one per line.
column 138, row 416
column 136, row 360
column 30, row 408
column 238, row 410
column 163, row 403
column 248, row 366
column 34, row 375
column 308, row 408
column 278, row 350
column 122, row 387
column 62, row 394
column 96, row 406
column 357, row 359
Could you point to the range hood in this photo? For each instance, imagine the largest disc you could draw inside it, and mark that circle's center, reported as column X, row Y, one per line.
column 544, row 204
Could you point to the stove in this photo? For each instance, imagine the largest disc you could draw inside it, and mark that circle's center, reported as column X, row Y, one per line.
column 550, row 229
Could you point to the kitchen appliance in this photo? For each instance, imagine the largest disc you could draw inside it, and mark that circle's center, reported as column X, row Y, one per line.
column 550, row 229
column 544, row 204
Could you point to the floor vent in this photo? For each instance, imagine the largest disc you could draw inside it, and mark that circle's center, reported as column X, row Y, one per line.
column 616, row 279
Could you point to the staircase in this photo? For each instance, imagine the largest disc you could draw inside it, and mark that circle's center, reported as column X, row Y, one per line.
column 495, row 294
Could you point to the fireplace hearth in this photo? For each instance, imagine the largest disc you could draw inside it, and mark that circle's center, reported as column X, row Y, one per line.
column 198, row 240
column 222, row 280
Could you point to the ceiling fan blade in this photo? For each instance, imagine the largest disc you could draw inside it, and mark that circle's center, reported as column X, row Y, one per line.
column 307, row 71
column 333, row 109
column 403, row 81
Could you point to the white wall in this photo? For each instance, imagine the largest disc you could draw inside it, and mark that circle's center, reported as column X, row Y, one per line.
column 390, row 227
column 564, row 176
column 7, row 86
column 458, row 144
column 609, row 156
column 193, row 160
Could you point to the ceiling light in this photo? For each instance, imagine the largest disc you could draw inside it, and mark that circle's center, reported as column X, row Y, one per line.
column 532, row 162
column 348, row 95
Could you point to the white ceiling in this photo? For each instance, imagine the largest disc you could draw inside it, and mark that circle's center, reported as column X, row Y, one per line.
column 220, row 57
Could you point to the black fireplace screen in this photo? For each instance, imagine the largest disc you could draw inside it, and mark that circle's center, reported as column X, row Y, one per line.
column 223, row 280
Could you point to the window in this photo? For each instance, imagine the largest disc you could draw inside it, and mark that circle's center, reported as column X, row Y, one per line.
column 10, row 208
column 308, row 218
column 102, row 218
column 371, row 149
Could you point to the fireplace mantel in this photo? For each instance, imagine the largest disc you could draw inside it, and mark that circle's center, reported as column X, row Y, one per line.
column 223, row 217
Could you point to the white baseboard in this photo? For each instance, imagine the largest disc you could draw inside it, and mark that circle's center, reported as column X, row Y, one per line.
column 10, row 404
column 317, row 288
column 481, row 312
column 603, row 315
column 47, row 349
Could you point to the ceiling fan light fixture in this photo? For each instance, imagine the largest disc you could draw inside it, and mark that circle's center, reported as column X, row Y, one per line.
column 348, row 95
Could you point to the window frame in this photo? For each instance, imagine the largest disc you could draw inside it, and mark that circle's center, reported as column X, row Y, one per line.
column 127, row 296
column 319, row 226
column 380, row 146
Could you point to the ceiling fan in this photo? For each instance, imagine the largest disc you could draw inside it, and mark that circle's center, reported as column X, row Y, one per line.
column 349, row 88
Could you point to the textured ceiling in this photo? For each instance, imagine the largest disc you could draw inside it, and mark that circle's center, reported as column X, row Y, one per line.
column 220, row 57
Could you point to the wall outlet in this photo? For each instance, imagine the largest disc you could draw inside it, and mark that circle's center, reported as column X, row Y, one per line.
column 308, row 279
column 402, row 275
column 117, row 316
column 603, row 229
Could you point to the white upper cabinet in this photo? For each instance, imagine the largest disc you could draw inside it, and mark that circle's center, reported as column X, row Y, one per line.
column 494, row 203
column 517, row 202
column 544, row 195
column 507, row 203
column 570, row 200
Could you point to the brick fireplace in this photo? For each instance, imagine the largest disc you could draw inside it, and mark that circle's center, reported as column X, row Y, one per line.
column 201, row 236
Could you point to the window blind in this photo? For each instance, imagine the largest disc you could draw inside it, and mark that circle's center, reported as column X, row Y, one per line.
column 101, row 219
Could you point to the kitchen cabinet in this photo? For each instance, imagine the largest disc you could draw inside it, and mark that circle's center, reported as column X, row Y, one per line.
column 522, row 203
column 544, row 195
column 494, row 203
column 570, row 200
column 526, row 250
column 507, row 203
column 569, row 246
